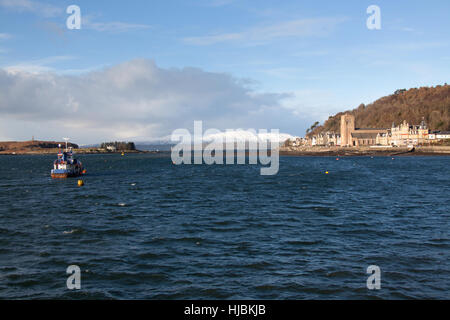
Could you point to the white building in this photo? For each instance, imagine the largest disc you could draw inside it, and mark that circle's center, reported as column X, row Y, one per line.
column 443, row 135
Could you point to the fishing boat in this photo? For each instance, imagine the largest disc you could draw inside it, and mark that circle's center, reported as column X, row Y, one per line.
column 66, row 165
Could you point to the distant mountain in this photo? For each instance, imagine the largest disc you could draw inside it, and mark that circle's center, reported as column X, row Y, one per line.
column 429, row 103
column 165, row 144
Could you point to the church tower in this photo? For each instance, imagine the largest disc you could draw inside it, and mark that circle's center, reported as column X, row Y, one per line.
column 347, row 127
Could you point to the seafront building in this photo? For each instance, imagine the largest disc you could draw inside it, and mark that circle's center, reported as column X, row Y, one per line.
column 402, row 135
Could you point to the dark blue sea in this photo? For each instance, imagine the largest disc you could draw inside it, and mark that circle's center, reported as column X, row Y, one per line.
column 143, row 228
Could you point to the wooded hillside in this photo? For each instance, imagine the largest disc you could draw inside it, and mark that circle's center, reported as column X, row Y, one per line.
column 429, row 103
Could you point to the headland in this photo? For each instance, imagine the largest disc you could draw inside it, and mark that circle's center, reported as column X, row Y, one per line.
column 51, row 147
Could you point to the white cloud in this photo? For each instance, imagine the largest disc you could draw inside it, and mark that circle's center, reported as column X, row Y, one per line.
column 91, row 21
column 311, row 53
column 263, row 34
column 134, row 100
column 115, row 26
column 49, row 11
column 5, row 36
column 30, row 68
column 408, row 29
column 36, row 7
column 218, row 3
column 37, row 66
column 287, row 73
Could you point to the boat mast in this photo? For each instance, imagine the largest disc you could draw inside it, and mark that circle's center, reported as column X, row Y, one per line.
column 66, row 139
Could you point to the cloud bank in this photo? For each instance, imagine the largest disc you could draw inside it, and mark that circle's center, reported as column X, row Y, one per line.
column 36, row 7
column 257, row 35
column 134, row 100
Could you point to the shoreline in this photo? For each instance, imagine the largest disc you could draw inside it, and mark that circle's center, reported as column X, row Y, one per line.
column 377, row 154
column 76, row 151
column 304, row 152
column 366, row 151
column 317, row 151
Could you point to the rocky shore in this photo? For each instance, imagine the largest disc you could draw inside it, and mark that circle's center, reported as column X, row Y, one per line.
column 364, row 151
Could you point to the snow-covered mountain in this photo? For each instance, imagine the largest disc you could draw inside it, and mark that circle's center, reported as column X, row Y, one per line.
column 241, row 137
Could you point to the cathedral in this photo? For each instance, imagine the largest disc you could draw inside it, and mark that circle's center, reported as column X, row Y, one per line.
column 355, row 137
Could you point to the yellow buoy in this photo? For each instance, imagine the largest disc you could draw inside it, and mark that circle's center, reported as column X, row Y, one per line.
column 326, row 172
column 80, row 183
column 123, row 153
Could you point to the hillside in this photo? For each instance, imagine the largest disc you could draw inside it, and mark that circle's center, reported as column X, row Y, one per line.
column 413, row 105
column 30, row 146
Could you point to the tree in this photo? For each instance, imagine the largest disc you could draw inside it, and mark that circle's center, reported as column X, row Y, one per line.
column 120, row 146
column 314, row 126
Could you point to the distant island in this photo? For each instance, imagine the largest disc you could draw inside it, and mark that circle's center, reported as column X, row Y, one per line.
column 52, row 147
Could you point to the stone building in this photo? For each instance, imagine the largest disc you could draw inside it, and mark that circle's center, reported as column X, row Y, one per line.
column 355, row 137
column 332, row 139
column 401, row 135
column 347, row 127
column 328, row 139
column 406, row 134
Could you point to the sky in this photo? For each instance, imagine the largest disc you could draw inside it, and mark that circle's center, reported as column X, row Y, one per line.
column 138, row 70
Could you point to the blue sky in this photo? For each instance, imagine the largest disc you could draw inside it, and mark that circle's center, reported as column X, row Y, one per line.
column 303, row 60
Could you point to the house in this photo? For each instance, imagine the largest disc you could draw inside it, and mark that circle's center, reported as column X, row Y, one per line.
column 443, row 135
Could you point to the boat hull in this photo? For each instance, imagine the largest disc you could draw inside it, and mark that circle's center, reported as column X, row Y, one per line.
column 60, row 174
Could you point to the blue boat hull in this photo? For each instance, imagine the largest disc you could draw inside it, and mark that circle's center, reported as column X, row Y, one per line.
column 61, row 174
